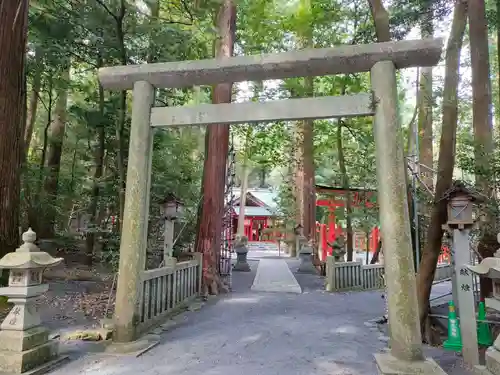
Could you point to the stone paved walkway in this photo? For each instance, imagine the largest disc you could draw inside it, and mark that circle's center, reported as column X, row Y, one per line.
column 260, row 333
column 274, row 275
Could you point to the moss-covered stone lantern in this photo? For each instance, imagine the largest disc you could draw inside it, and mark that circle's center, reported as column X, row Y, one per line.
column 24, row 342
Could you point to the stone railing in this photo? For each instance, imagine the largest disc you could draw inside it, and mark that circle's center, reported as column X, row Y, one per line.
column 344, row 276
column 166, row 290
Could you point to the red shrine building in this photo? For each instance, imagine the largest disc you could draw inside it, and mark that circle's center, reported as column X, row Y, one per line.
column 260, row 209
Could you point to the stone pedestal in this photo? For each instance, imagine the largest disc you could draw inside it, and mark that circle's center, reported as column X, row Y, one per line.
column 305, row 256
column 241, row 250
column 492, row 356
column 390, row 365
column 24, row 342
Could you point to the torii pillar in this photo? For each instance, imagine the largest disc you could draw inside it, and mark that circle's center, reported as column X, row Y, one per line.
column 405, row 356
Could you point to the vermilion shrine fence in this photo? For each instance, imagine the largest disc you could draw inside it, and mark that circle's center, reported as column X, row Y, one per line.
column 330, row 231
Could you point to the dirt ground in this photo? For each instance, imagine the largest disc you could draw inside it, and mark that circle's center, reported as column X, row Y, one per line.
column 77, row 297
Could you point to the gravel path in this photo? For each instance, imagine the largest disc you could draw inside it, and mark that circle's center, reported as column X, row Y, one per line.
column 262, row 334
column 265, row 334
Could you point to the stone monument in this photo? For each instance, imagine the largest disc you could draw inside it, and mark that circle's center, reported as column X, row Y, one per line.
column 305, row 256
column 490, row 267
column 241, row 250
column 24, row 341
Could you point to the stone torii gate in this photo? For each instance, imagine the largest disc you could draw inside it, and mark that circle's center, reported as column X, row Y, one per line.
column 381, row 60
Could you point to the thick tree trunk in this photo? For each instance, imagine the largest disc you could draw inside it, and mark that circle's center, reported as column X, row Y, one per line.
column 482, row 124
column 33, row 102
column 498, row 61
column 208, row 239
column 243, row 195
column 304, row 168
column 381, row 20
column 425, row 107
column 13, row 34
column 345, row 186
column 376, row 255
column 122, row 116
column 446, row 159
column 54, row 152
column 98, row 172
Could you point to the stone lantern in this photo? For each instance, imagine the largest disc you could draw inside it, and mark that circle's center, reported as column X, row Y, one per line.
column 241, row 250
column 171, row 209
column 490, row 267
column 24, row 343
column 306, row 260
column 460, row 206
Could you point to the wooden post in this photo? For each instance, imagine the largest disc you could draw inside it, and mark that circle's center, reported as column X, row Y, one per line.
column 134, row 230
column 405, row 336
column 199, row 258
column 465, row 296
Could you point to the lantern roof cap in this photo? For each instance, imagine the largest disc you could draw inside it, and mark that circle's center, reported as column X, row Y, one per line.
column 28, row 255
column 170, row 198
column 459, row 188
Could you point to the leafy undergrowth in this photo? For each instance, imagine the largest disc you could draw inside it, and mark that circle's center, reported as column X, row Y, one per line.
column 77, row 296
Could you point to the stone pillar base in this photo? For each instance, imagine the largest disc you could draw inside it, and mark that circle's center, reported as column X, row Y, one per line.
column 306, row 264
column 390, row 365
column 492, row 360
column 241, row 267
column 241, row 261
column 20, row 362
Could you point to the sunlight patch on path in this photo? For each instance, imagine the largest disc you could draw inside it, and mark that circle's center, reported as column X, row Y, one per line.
column 274, row 275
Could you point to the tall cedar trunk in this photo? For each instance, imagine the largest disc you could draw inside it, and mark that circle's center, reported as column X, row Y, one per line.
column 304, row 167
column 498, row 61
column 33, row 102
column 376, row 255
column 245, row 171
column 446, row 159
column 54, row 152
column 425, row 106
column 98, row 172
column 245, row 174
column 345, row 186
column 122, row 116
column 35, row 210
column 13, row 32
column 208, row 239
column 482, row 124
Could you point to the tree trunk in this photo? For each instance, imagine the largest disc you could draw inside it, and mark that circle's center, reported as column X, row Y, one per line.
column 446, row 159
column 122, row 117
column 482, row 124
column 13, row 35
column 381, row 20
column 98, row 172
column 54, row 152
column 243, row 197
column 33, row 102
column 498, row 60
column 304, row 167
column 345, row 186
column 208, row 239
column 376, row 255
column 425, row 106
